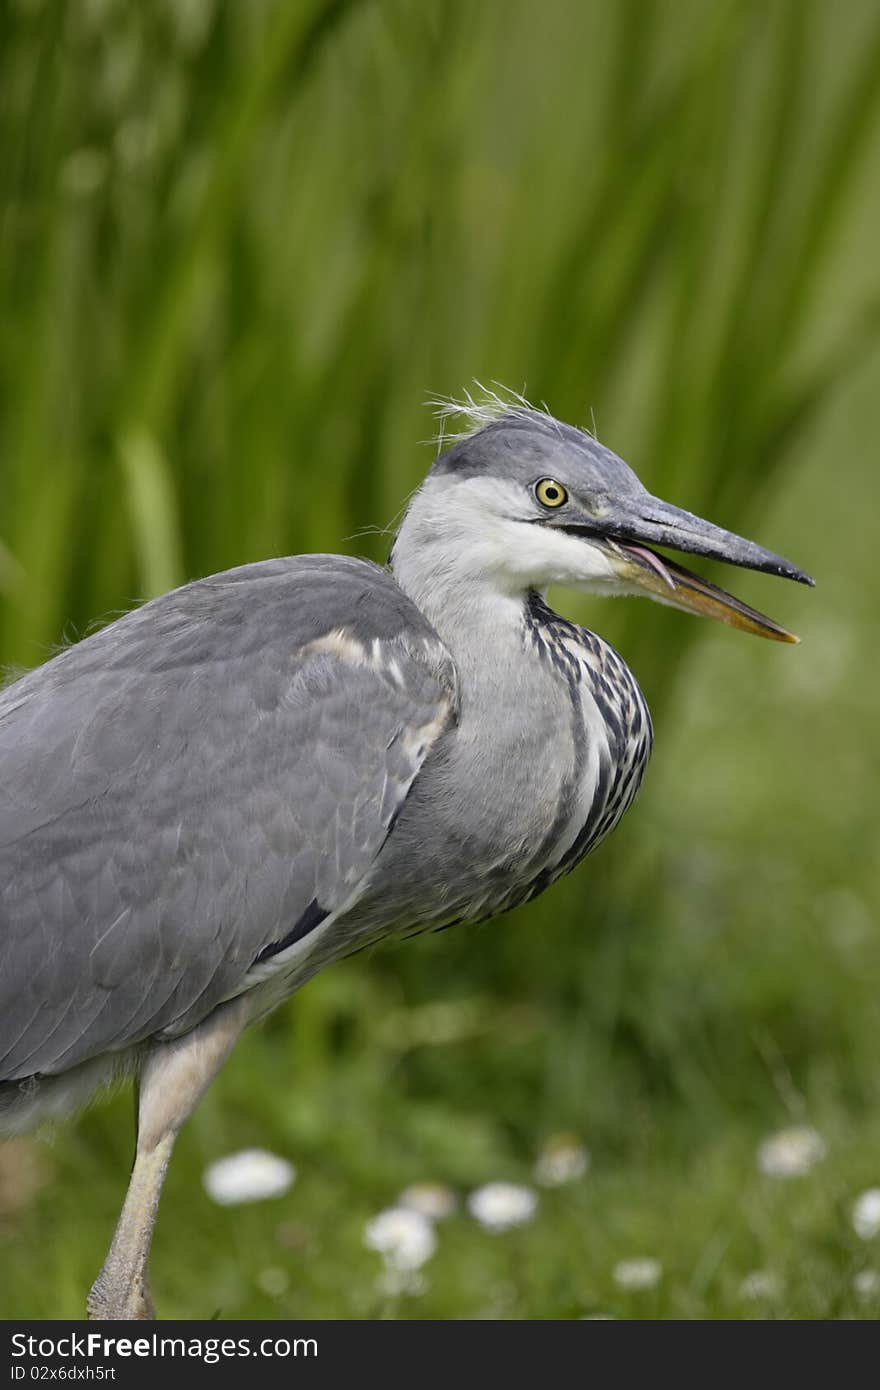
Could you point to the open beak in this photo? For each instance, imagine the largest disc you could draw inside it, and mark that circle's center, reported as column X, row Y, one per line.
column 629, row 533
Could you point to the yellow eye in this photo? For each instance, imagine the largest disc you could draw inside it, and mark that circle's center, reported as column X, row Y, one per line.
column 550, row 493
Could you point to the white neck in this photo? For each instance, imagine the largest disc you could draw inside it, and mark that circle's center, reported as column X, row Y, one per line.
column 446, row 560
column 469, row 551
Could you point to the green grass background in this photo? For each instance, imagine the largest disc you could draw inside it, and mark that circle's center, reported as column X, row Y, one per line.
column 241, row 244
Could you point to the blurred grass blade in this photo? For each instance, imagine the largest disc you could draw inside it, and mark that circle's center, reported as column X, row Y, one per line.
column 851, row 133
column 292, row 36
column 153, row 512
column 11, row 572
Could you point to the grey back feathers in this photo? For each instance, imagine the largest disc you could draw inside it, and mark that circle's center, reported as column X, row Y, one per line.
column 180, row 787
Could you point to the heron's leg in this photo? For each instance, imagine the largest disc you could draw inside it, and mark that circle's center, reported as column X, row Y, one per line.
column 121, row 1289
column 174, row 1078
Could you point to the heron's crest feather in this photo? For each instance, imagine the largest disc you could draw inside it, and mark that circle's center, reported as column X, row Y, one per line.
column 478, row 408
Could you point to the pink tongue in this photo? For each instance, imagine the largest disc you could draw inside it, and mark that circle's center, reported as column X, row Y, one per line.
column 654, row 561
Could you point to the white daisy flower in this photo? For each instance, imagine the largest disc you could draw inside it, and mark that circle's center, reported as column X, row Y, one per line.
column 790, row 1153
column 500, row 1205
column 404, row 1238
column 562, row 1159
column 867, row 1283
column 433, row 1200
column 642, row 1273
column 761, row 1284
column 274, row 1281
column 249, row 1176
column 866, row 1214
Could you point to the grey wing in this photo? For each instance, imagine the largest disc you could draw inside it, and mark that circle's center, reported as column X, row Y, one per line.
column 186, row 790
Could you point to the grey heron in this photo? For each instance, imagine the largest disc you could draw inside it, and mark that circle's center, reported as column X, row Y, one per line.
column 230, row 787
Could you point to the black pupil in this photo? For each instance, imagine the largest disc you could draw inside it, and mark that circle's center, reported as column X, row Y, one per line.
column 551, row 493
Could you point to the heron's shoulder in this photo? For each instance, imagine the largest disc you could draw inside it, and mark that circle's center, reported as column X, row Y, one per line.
column 280, row 605
column 323, row 590
column 335, row 604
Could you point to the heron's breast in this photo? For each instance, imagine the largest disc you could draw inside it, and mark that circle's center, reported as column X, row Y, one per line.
column 615, row 737
column 612, row 738
column 545, row 758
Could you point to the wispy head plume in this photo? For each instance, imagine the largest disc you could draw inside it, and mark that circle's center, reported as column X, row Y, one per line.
column 476, row 409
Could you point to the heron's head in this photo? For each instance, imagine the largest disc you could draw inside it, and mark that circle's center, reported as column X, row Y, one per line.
column 526, row 501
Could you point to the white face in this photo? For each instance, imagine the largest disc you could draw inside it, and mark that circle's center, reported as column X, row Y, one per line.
column 490, row 530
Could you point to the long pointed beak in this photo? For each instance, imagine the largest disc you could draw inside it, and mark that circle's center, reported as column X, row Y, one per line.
column 662, row 524
column 630, row 531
